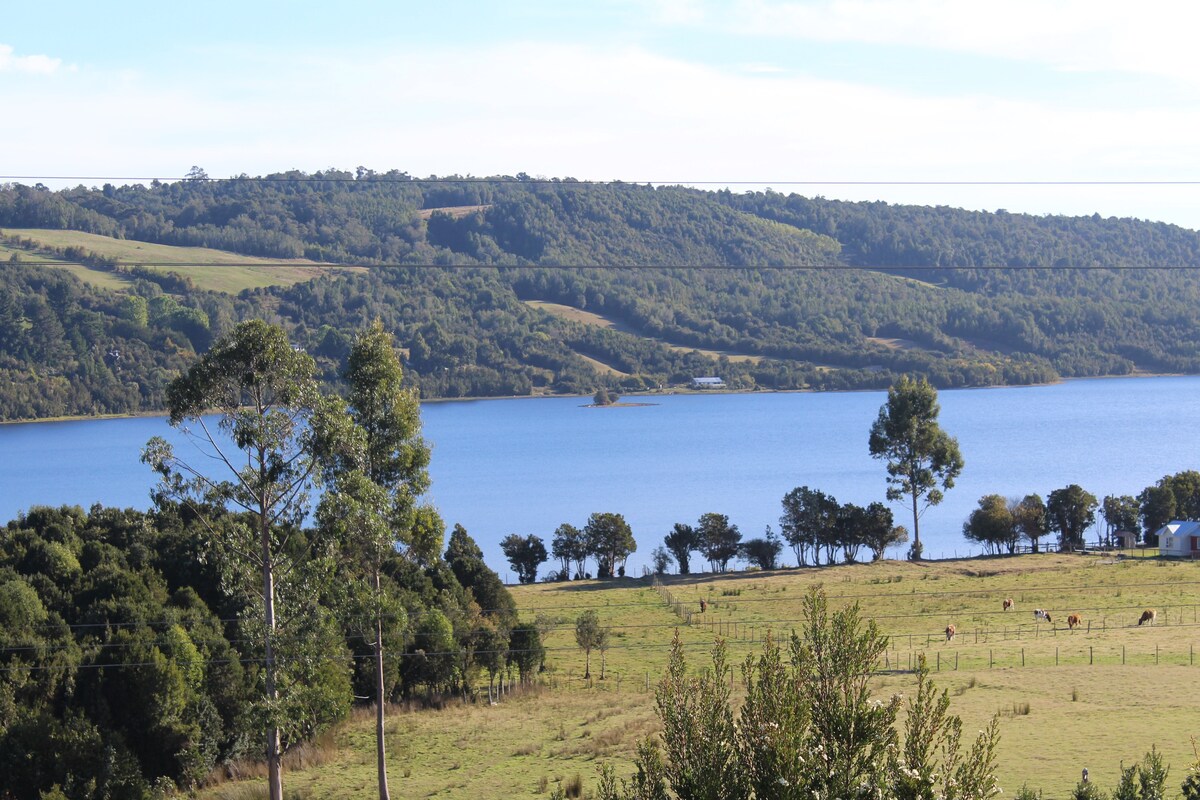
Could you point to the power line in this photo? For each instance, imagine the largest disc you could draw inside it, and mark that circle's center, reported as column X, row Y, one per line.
column 334, row 267
column 384, row 178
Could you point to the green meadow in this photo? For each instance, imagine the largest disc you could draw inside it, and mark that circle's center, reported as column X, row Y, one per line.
column 216, row 270
column 1094, row 697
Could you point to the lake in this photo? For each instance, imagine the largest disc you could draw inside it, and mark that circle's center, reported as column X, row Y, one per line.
column 527, row 465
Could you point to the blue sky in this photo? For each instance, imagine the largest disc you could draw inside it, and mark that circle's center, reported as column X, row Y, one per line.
column 750, row 92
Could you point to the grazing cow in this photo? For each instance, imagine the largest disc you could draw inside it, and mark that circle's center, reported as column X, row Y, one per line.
column 1074, row 621
column 1039, row 613
column 703, row 606
column 1149, row 615
column 950, row 631
column 1008, row 603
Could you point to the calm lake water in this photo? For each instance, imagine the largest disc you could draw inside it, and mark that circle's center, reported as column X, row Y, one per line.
column 525, row 466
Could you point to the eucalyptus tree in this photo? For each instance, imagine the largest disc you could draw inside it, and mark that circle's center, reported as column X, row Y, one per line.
column 922, row 459
column 264, row 394
column 682, row 541
column 589, row 636
column 378, row 470
column 1120, row 514
column 880, row 530
column 719, row 540
column 992, row 524
column 1070, row 511
column 525, row 554
column 809, row 518
column 610, row 540
column 1029, row 519
column 569, row 546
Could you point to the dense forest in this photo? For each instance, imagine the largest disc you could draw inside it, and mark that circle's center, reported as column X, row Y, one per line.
column 764, row 290
column 127, row 664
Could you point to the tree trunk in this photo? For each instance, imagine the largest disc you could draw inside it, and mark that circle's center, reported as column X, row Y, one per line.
column 380, row 750
column 916, row 529
column 587, row 664
column 274, row 756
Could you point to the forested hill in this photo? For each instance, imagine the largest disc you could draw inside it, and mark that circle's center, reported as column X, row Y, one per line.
column 762, row 289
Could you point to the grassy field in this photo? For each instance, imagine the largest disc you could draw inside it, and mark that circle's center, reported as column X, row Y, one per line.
column 1094, row 697
column 216, row 270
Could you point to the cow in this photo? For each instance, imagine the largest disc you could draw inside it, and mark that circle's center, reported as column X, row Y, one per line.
column 1149, row 615
column 1008, row 603
column 703, row 605
column 1039, row 613
column 1074, row 621
column 950, row 631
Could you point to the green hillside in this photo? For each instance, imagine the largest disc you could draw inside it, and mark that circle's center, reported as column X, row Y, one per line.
column 496, row 286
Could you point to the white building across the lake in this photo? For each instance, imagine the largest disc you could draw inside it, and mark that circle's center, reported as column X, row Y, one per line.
column 708, row 383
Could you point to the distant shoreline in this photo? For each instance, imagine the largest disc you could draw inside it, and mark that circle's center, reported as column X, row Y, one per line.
column 648, row 395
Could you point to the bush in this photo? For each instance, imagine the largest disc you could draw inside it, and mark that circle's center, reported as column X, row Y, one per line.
column 809, row 726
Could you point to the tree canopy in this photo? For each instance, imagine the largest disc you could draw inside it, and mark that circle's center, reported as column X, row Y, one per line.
column 922, row 459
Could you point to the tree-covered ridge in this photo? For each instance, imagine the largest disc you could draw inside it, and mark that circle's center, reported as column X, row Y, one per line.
column 858, row 293
column 369, row 218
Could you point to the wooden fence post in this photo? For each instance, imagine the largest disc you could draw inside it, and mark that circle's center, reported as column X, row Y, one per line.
column 1022, row 656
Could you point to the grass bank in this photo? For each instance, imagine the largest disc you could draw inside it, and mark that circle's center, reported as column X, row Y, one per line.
column 1093, row 697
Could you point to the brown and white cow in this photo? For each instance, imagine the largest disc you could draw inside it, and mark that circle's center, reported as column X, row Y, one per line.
column 1008, row 603
column 1149, row 615
column 950, row 631
column 1074, row 621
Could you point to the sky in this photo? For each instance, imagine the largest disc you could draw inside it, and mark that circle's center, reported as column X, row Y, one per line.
column 1037, row 106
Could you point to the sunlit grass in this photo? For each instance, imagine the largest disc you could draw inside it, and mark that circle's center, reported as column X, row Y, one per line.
column 1091, row 710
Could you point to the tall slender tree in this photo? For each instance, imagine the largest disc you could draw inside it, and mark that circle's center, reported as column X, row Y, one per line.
column 922, row 459
column 377, row 484
column 265, row 396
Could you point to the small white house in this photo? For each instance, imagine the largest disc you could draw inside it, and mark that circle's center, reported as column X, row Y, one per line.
column 708, row 383
column 1178, row 538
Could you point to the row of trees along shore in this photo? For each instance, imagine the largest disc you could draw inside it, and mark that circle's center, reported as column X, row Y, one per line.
column 139, row 651
column 922, row 461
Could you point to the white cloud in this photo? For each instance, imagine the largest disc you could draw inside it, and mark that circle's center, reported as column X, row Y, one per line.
column 38, row 64
column 676, row 12
column 603, row 113
column 1154, row 37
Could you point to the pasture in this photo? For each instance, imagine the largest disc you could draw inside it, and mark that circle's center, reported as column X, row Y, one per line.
column 216, row 270
column 572, row 314
column 1093, row 697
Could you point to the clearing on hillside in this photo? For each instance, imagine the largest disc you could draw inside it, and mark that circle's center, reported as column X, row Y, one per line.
column 572, row 314
column 216, row 270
